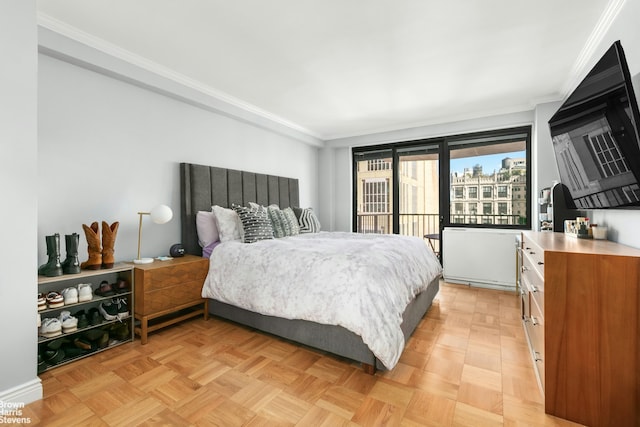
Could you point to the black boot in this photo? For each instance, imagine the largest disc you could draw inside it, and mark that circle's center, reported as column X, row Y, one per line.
column 71, row 264
column 53, row 267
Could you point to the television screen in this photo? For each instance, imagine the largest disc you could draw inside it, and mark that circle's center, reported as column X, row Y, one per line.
column 595, row 137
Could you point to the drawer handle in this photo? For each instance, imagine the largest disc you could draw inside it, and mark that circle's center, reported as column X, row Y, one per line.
column 532, row 253
column 534, row 289
column 536, row 357
column 527, row 248
column 540, row 263
column 534, row 321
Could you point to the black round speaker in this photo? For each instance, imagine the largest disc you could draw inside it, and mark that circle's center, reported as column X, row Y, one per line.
column 176, row 250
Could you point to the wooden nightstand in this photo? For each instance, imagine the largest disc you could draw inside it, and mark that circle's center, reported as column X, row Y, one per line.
column 168, row 292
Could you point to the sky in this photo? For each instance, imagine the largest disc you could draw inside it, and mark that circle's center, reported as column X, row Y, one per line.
column 489, row 163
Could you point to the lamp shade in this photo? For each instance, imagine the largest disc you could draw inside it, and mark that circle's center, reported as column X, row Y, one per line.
column 161, row 214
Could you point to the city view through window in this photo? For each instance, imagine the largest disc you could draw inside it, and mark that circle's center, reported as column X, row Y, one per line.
column 487, row 186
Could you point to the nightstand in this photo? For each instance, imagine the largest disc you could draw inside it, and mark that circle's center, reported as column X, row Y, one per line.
column 168, row 292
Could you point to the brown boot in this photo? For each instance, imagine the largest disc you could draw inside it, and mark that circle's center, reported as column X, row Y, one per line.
column 108, row 240
column 95, row 251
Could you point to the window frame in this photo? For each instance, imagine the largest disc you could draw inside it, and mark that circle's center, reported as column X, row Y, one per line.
column 448, row 144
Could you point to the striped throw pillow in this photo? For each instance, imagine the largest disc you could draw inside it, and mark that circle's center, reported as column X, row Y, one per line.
column 308, row 220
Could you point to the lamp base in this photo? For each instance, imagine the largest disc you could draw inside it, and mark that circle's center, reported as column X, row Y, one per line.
column 143, row 261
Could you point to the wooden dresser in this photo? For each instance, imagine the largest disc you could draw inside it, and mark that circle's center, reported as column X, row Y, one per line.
column 581, row 305
column 167, row 292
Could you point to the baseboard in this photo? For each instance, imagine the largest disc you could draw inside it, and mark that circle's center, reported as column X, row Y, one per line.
column 24, row 393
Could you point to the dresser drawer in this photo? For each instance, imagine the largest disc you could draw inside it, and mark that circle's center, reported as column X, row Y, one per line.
column 533, row 256
column 534, row 285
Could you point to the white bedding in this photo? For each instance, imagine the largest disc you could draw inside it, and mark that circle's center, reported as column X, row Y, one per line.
column 362, row 282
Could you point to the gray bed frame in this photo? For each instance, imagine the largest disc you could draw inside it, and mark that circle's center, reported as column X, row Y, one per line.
column 204, row 186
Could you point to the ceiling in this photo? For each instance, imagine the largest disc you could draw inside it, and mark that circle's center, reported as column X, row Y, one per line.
column 339, row 68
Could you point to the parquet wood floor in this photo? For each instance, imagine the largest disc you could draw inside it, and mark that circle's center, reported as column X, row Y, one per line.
column 467, row 364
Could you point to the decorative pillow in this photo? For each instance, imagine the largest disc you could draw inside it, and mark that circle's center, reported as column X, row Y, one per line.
column 228, row 222
column 291, row 228
column 308, row 220
column 255, row 223
column 207, row 228
column 277, row 221
column 207, row 250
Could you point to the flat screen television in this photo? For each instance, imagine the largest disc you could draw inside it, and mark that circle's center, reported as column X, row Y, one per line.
column 596, row 140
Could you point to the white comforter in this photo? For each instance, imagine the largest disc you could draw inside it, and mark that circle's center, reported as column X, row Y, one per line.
column 362, row 282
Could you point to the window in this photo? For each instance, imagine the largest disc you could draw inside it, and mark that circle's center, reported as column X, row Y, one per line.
column 378, row 165
column 376, row 195
column 418, row 187
column 492, row 167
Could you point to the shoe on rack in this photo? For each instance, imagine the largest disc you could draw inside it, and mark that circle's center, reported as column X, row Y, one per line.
column 123, row 308
column 109, row 310
column 42, row 302
column 53, row 357
column 51, row 327
column 95, row 318
column 39, row 321
column 70, row 296
column 120, row 331
column 54, row 300
column 105, row 289
column 85, row 292
column 121, row 286
column 82, row 343
column 41, row 365
column 69, row 323
column 83, row 320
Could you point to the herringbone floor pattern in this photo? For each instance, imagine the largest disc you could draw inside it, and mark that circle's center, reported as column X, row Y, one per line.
column 466, row 365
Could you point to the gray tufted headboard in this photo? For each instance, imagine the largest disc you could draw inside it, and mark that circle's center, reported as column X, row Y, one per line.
column 204, row 186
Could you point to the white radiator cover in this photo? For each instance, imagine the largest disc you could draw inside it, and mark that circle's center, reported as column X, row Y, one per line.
column 480, row 257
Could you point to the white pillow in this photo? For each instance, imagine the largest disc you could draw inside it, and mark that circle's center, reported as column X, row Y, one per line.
column 229, row 224
column 207, row 228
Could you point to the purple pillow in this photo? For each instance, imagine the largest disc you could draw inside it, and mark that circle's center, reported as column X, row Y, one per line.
column 206, row 251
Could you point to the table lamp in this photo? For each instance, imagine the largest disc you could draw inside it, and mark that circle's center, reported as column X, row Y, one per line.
column 160, row 214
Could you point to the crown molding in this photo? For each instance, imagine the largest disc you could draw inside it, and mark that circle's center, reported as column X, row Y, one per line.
column 580, row 67
column 64, row 42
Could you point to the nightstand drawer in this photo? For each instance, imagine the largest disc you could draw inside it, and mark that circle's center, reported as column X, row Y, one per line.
column 175, row 275
column 164, row 299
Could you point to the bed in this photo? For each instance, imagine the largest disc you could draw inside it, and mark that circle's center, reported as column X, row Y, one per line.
column 204, row 186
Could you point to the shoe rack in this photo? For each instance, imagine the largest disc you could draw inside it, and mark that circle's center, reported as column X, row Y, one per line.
column 73, row 345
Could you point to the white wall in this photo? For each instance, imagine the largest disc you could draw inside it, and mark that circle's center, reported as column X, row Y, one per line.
column 108, row 149
column 18, row 174
column 624, row 225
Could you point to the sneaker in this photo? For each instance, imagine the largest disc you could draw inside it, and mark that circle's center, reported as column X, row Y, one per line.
column 39, row 321
column 109, row 310
column 54, row 300
column 42, row 302
column 51, row 327
column 105, row 289
column 69, row 322
column 123, row 308
column 85, row 292
column 70, row 296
